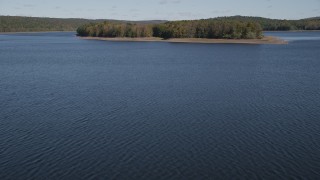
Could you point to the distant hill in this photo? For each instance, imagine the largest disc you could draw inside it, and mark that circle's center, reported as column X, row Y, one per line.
column 313, row 18
column 279, row 24
column 31, row 24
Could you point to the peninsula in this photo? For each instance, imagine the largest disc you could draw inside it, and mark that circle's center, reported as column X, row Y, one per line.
column 192, row 31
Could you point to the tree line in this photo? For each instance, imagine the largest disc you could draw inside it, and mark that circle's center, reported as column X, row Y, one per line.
column 229, row 27
column 35, row 24
column 234, row 27
column 210, row 28
column 279, row 25
column 113, row 29
column 32, row 24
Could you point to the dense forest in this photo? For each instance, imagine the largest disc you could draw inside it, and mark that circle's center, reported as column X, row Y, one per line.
column 235, row 27
column 210, row 28
column 229, row 27
column 279, row 25
column 31, row 24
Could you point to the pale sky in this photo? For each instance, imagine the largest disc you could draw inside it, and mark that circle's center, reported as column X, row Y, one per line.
column 160, row 9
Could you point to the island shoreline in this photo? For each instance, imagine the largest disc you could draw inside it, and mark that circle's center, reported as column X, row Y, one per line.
column 32, row 32
column 265, row 40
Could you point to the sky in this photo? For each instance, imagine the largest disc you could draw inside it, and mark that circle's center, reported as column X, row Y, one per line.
column 160, row 9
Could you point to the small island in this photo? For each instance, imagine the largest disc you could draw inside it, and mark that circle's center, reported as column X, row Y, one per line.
column 191, row 31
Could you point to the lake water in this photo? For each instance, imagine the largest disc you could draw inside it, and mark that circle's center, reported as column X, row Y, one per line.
column 88, row 109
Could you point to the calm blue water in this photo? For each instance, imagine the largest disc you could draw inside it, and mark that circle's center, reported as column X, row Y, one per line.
column 87, row 109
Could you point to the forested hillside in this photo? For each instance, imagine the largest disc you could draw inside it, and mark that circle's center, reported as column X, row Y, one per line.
column 279, row 25
column 31, row 24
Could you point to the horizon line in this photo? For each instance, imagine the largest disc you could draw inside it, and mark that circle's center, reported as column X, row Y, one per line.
column 153, row 19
